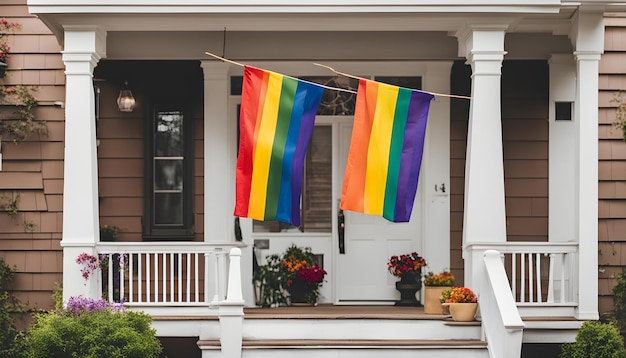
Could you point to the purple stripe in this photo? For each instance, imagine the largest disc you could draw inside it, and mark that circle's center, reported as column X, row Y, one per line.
column 412, row 151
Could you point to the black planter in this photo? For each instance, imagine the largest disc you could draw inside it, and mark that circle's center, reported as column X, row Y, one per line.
column 409, row 284
column 3, row 69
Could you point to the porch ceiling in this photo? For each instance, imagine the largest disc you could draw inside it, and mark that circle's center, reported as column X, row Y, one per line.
column 310, row 15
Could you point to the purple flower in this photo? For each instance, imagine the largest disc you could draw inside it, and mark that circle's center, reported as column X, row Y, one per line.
column 77, row 305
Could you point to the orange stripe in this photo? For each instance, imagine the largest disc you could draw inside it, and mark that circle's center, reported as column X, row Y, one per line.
column 354, row 179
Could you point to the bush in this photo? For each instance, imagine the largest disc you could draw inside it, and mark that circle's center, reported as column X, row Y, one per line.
column 595, row 340
column 619, row 301
column 11, row 342
column 90, row 328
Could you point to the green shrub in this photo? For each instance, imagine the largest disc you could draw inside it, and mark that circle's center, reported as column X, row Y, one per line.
column 619, row 301
column 93, row 329
column 11, row 342
column 595, row 340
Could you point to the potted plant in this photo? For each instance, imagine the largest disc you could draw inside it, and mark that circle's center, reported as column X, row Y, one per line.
column 409, row 268
column 108, row 232
column 434, row 287
column 303, row 277
column 463, row 304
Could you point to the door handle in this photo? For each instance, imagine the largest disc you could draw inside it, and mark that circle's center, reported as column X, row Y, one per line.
column 341, row 230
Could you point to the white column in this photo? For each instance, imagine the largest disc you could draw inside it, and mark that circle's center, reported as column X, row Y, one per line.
column 83, row 49
column 562, row 149
column 588, row 38
column 484, row 217
column 219, row 155
column 436, row 243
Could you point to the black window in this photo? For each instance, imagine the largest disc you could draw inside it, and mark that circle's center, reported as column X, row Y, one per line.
column 169, row 173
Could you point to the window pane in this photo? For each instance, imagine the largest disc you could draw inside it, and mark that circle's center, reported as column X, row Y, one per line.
column 169, row 134
column 168, row 209
column 168, row 174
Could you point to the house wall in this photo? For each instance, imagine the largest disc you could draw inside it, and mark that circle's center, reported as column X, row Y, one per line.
column 33, row 169
column 525, row 137
column 612, row 165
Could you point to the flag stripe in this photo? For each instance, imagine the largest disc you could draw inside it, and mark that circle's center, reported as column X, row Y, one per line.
column 276, row 121
column 386, row 150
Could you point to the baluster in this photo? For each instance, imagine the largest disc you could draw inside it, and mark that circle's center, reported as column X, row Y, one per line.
column 564, row 257
column 197, row 279
column 165, row 276
column 140, row 277
column 180, row 276
column 522, row 277
column 215, row 267
column 531, row 297
column 538, row 261
column 514, row 275
column 551, row 279
column 172, row 277
column 110, row 277
column 131, row 272
column 122, row 276
column 156, row 277
column 189, row 258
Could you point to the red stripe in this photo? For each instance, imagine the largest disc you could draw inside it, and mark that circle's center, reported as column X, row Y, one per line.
column 252, row 100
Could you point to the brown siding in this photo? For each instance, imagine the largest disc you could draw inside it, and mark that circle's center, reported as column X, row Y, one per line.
column 525, row 141
column 612, row 164
column 33, row 168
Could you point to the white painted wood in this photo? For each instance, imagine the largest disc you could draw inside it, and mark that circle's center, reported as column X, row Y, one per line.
column 435, row 172
column 588, row 38
column 501, row 321
column 484, row 217
column 83, row 48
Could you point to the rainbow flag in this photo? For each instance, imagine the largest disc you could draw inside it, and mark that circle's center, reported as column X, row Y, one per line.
column 276, row 122
column 385, row 151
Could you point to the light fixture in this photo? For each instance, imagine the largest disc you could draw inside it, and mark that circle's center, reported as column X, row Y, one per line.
column 125, row 100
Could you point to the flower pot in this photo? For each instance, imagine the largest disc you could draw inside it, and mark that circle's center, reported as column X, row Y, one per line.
column 301, row 294
column 3, row 69
column 432, row 299
column 409, row 284
column 463, row 312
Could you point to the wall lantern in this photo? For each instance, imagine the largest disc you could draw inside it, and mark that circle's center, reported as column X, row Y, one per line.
column 125, row 100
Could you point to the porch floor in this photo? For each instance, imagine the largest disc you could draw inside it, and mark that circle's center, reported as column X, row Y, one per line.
column 329, row 311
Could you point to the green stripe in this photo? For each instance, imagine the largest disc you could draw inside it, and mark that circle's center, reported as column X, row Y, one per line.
column 287, row 95
column 395, row 152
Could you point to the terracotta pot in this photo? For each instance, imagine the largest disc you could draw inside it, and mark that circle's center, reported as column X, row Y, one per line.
column 463, row 312
column 432, row 299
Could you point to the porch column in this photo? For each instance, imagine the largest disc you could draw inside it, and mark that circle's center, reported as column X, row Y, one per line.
column 484, row 217
column 562, row 146
column 83, row 49
column 219, row 155
column 588, row 39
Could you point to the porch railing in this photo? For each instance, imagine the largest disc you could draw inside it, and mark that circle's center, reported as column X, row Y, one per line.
column 540, row 274
column 164, row 274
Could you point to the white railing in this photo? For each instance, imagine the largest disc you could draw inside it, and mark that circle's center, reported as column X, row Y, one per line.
column 164, row 273
column 501, row 320
column 540, row 273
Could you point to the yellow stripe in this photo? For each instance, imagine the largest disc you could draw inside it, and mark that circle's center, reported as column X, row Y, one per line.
column 378, row 150
column 264, row 143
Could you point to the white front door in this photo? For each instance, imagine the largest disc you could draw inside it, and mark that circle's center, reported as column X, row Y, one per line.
column 369, row 242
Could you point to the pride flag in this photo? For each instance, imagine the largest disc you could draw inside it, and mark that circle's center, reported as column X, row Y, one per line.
column 276, row 122
column 385, row 151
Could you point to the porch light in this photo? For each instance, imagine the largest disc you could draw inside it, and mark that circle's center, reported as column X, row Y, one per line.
column 125, row 100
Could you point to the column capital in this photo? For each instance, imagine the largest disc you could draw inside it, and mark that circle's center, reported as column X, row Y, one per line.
column 486, row 39
column 587, row 32
column 83, row 48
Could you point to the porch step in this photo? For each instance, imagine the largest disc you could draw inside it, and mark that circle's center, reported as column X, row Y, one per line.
column 353, row 348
